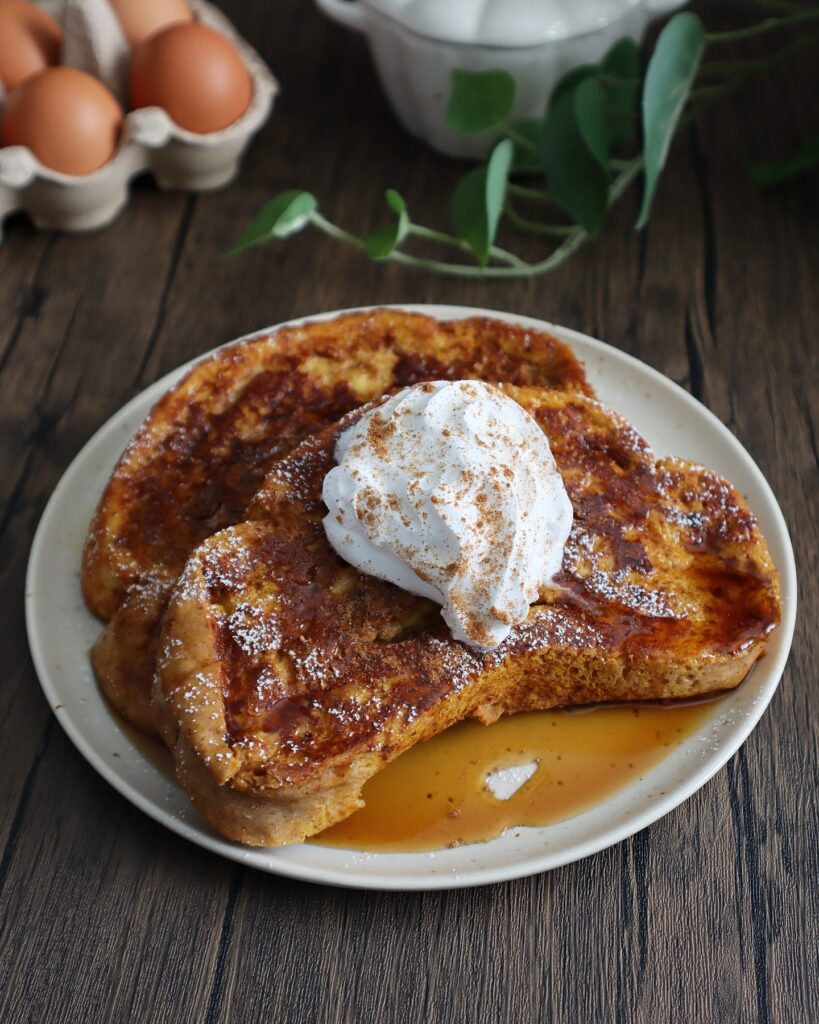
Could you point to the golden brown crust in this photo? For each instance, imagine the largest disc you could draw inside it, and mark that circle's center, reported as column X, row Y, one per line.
column 125, row 651
column 248, row 818
column 292, row 678
column 203, row 451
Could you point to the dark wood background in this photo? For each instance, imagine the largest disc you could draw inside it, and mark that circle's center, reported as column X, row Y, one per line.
column 710, row 914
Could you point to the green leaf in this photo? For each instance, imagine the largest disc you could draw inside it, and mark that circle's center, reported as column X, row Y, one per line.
column 622, row 61
column 590, row 112
column 380, row 244
column 668, row 81
column 576, row 177
column 480, row 100
column 526, row 159
column 283, row 215
column 766, row 173
column 571, row 80
column 478, row 201
column 620, row 70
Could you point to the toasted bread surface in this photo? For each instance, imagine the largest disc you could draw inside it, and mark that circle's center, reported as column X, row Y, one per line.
column 286, row 678
column 206, row 445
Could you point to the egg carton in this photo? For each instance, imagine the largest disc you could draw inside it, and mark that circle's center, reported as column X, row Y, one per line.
column 151, row 141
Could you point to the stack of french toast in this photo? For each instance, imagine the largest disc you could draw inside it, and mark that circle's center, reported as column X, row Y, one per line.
column 282, row 678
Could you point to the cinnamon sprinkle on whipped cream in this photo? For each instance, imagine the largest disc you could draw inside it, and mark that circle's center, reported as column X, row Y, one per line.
column 450, row 491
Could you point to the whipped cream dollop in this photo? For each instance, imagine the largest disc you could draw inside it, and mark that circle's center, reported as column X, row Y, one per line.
column 450, row 491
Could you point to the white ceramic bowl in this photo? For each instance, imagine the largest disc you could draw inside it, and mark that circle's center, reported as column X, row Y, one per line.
column 416, row 44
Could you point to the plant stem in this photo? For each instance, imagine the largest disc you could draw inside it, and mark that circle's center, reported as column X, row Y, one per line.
column 515, row 263
column 535, row 227
column 560, row 255
column 454, row 269
column 537, row 195
column 508, row 257
column 761, row 27
column 457, row 243
column 517, row 137
column 333, row 230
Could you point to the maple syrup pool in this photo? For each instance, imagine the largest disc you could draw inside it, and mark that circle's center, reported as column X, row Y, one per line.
column 436, row 795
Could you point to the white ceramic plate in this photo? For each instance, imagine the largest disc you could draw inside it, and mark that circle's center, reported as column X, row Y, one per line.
column 61, row 631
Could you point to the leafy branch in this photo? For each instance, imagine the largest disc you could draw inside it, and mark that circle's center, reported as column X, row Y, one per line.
column 557, row 177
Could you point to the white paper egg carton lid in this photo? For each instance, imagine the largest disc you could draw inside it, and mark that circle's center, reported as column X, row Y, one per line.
column 151, row 142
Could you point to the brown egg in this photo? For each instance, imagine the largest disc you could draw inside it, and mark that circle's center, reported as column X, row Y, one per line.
column 143, row 18
column 195, row 74
column 30, row 40
column 66, row 117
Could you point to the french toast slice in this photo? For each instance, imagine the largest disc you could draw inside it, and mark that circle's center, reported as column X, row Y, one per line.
column 286, row 679
column 204, row 449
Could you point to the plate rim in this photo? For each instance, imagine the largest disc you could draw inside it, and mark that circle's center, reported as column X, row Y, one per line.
column 546, row 861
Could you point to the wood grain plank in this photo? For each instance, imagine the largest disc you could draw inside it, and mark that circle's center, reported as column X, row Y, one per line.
column 20, row 295
column 766, row 319
column 103, row 941
column 70, row 367
column 45, row 416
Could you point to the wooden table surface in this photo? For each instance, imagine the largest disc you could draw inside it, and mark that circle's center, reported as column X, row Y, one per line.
column 708, row 915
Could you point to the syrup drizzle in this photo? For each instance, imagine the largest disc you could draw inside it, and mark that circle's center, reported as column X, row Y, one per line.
column 436, row 796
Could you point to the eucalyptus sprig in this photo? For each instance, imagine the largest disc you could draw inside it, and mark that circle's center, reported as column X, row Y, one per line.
column 558, row 176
